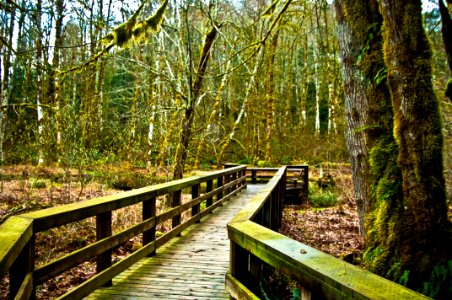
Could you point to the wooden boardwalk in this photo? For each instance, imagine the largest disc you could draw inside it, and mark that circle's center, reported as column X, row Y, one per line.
column 191, row 266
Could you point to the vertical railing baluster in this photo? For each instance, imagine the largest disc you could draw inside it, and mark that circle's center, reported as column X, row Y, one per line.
column 209, row 188
column 227, row 179
column 23, row 264
column 234, row 177
column 195, row 194
column 103, row 230
column 253, row 176
column 306, row 179
column 255, row 272
column 149, row 211
column 220, row 184
column 176, row 201
column 239, row 263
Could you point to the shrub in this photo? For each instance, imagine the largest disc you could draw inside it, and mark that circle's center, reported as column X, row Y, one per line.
column 321, row 197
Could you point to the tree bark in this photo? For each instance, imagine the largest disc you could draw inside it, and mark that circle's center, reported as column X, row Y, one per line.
column 5, row 69
column 53, row 89
column 39, row 81
column 212, row 118
column 187, row 122
column 270, row 98
column 424, row 243
column 446, row 31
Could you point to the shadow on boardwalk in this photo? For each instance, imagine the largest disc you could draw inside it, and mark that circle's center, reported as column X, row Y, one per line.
column 191, row 266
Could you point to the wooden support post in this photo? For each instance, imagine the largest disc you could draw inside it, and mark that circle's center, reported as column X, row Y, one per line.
column 306, row 178
column 227, row 179
column 24, row 264
column 255, row 271
column 195, row 194
column 209, row 188
column 267, row 222
column 282, row 196
column 234, row 177
column 177, row 200
column 220, row 184
column 103, row 230
column 253, row 176
column 241, row 174
column 149, row 211
column 238, row 263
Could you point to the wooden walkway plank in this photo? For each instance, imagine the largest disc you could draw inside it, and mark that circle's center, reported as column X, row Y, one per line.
column 192, row 266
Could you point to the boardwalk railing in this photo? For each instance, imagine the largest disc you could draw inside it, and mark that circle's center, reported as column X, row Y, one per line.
column 258, row 175
column 254, row 243
column 17, row 234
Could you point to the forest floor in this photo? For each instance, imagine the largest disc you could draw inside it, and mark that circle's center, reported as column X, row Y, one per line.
column 334, row 229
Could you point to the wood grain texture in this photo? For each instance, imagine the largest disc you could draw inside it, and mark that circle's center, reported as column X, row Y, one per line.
column 191, row 266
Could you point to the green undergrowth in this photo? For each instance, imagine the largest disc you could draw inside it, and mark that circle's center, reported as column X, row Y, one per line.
column 319, row 197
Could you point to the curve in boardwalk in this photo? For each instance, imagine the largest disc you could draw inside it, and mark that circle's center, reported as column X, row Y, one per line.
column 191, row 266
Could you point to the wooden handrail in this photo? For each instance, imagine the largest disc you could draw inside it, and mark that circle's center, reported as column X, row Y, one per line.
column 17, row 234
column 254, row 242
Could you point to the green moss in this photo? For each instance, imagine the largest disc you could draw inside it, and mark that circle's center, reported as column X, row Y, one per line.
column 440, row 283
column 448, row 91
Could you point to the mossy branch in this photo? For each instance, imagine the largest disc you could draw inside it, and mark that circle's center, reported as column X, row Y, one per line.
column 131, row 31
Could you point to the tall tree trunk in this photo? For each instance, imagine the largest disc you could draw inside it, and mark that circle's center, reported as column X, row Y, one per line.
column 53, row 134
column 39, row 81
column 424, row 245
column 4, row 79
column 270, row 97
column 227, row 139
column 187, row 122
column 212, row 118
column 446, row 31
column 356, row 102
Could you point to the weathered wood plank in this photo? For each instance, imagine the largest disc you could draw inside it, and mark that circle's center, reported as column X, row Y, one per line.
column 60, row 215
column 190, row 266
column 238, row 290
column 339, row 280
column 73, row 259
column 15, row 233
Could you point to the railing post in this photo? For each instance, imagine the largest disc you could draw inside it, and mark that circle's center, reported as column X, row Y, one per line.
column 306, row 179
column 253, row 176
column 24, row 264
column 267, row 222
column 177, row 200
column 220, row 184
column 209, row 188
column 243, row 174
column 227, row 179
column 239, row 263
column 255, row 271
column 149, row 211
column 103, row 230
column 234, row 177
column 195, row 194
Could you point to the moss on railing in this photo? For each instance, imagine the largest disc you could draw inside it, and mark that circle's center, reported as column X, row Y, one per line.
column 17, row 233
column 322, row 276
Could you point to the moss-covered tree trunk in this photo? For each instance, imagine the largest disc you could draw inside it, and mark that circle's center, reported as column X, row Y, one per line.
column 424, row 240
column 213, row 118
column 399, row 179
column 270, row 98
column 187, row 121
column 367, row 104
column 446, row 31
